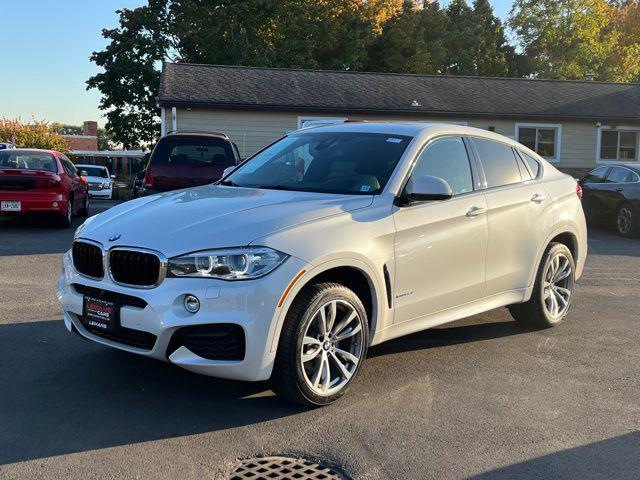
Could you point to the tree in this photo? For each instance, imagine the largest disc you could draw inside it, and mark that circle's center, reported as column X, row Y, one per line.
column 36, row 134
column 566, row 38
column 413, row 41
column 131, row 79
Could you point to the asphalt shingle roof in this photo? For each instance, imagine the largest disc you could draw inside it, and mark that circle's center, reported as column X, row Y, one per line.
column 216, row 86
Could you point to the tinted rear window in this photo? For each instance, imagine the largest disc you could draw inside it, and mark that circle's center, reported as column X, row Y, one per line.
column 498, row 162
column 28, row 160
column 193, row 152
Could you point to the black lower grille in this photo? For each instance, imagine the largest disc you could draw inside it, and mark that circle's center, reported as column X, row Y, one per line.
column 120, row 298
column 223, row 341
column 126, row 336
column 134, row 268
column 87, row 259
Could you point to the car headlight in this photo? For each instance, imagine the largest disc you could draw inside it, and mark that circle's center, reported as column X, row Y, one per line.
column 227, row 264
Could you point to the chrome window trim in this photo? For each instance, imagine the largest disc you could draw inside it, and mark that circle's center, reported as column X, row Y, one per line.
column 162, row 274
column 104, row 258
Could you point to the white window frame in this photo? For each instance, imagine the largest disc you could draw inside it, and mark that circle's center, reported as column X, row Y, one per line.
column 305, row 118
column 556, row 126
column 617, row 128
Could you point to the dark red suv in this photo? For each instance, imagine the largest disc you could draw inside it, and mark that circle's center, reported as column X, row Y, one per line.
column 41, row 181
column 182, row 160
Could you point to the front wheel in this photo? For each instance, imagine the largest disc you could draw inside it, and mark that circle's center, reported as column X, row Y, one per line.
column 322, row 346
column 553, row 290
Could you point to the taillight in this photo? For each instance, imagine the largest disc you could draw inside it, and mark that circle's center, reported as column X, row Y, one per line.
column 46, row 183
column 148, row 179
column 579, row 191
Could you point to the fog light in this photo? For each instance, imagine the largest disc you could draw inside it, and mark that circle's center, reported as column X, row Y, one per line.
column 191, row 303
column 55, row 204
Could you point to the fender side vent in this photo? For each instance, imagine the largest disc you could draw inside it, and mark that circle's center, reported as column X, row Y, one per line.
column 387, row 284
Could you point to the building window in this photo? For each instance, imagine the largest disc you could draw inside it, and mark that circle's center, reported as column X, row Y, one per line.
column 542, row 139
column 619, row 145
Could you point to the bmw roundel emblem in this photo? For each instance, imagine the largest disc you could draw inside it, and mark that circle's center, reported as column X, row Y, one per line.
column 115, row 237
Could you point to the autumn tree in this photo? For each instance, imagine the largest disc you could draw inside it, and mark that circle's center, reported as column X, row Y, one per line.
column 565, row 38
column 34, row 134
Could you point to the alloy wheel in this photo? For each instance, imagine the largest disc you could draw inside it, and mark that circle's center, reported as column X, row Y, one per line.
column 624, row 220
column 557, row 286
column 332, row 347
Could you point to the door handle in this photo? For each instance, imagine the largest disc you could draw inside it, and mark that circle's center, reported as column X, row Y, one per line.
column 475, row 211
column 619, row 189
column 537, row 198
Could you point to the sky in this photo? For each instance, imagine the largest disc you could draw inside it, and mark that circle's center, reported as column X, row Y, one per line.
column 46, row 45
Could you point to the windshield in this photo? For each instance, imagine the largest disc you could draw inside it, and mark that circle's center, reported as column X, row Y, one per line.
column 93, row 171
column 331, row 162
column 28, row 160
column 193, row 151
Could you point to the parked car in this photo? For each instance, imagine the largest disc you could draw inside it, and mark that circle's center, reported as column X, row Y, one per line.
column 41, row 181
column 328, row 241
column 611, row 194
column 5, row 145
column 99, row 180
column 181, row 160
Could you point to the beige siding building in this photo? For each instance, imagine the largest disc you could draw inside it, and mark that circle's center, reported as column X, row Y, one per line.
column 574, row 124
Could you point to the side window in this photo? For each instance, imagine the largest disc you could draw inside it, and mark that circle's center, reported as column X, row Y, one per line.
column 69, row 167
column 595, row 176
column 498, row 162
column 620, row 175
column 531, row 162
column 447, row 158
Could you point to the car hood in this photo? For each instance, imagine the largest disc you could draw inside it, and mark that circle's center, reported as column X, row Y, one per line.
column 212, row 216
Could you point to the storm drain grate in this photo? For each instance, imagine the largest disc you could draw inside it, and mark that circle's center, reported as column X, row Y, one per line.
column 282, row 468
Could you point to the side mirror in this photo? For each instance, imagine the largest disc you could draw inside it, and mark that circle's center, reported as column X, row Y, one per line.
column 83, row 173
column 113, row 177
column 228, row 170
column 425, row 189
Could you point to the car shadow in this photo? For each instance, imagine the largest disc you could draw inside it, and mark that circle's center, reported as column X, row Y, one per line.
column 615, row 458
column 63, row 394
column 451, row 335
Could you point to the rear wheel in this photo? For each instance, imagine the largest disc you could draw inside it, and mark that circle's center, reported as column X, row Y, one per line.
column 65, row 220
column 626, row 221
column 553, row 290
column 323, row 343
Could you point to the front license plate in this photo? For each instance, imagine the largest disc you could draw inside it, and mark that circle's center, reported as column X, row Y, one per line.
column 100, row 313
column 10, row 206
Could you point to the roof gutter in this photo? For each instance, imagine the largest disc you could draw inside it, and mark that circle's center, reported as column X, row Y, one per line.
column 168, row 103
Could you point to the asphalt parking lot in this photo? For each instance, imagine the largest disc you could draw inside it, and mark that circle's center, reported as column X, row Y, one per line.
column 482, row 398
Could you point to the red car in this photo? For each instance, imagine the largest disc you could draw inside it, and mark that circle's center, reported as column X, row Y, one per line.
column 41, row 181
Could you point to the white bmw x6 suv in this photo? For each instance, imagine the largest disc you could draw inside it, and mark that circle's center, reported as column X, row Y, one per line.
column 324, row 243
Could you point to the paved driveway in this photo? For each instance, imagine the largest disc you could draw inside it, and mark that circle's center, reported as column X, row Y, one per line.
column 481, row 398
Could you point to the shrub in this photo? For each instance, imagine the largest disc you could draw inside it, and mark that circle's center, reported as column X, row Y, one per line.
column 36, row 134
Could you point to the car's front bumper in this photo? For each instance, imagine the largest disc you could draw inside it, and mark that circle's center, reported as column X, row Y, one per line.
column 105, row 193
column 253, row 305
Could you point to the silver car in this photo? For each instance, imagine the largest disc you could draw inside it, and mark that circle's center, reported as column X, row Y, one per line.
column 330, row 240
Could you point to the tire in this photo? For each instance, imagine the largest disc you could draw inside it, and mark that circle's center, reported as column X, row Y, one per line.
column 65, row 220
column 539, row 310
column 84, row 211
column 305, row 381
column 626, row 221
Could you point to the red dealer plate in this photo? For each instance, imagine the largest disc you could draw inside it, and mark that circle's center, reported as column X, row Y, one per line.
column 100, row 313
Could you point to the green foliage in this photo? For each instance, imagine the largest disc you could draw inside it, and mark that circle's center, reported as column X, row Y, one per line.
column 567, row 38
column 557, row 38
column 35, row 134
